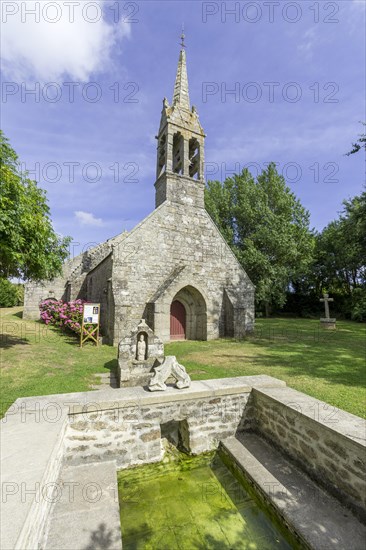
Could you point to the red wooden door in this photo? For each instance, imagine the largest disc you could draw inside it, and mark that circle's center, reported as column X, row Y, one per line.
column 177, row 321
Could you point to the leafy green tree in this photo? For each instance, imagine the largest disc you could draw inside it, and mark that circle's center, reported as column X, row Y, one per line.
column 358, row 312
column 340, row 252
column 354, row 219
column 267, row 228
column 29, row 246
column 339, row 264
column 360, row 143
column 10, row 294
column 329, row 271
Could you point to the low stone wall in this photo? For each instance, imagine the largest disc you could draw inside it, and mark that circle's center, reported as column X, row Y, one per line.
column 125, row 425
column 131, row 434
column 41, row 434
column 328, row 443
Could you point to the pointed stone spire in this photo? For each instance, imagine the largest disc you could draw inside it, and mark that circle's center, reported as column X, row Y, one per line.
column 181, row 146
column 181, row 92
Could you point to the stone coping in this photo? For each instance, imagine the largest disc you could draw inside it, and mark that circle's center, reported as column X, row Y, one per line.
column 343, row 423
column 317, row 518
column 76, row 403
column 31, row 456
column 31, row 435
column 92, row 522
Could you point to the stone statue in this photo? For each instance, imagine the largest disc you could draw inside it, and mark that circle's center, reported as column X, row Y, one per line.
column 141, row 348
column 138, row 351
column 170, row 367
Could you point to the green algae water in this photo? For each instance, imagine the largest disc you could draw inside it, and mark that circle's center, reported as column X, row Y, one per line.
column 192, row 503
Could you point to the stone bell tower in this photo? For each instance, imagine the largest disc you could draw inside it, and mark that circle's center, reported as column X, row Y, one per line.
column 180, row 151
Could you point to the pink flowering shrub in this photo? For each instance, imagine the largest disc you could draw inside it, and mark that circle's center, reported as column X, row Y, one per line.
column 66, row 315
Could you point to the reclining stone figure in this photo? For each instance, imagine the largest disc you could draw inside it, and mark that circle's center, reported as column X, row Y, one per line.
column 170, row 367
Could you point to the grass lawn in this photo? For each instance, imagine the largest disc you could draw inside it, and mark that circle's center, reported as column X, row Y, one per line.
column 329, row 365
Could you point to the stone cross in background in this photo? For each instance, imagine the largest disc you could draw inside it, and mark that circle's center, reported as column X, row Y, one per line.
column 326, row 301
column 327, row 322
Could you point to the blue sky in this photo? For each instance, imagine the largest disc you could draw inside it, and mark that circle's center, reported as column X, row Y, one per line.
column 296, row 70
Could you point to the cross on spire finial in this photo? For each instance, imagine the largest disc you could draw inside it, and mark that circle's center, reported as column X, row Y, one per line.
column 182, row 37
column 181, row 93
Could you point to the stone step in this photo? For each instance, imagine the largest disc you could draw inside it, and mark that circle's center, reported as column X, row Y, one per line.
column 316, row 517
column 86, row 513
column 107, row 380
column 106, row 375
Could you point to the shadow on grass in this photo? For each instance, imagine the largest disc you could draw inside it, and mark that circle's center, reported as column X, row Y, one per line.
column 329, row 361
column 19, row 314
column 111, row 365
column 8, row 341
column 71, row 339
column 336, row 357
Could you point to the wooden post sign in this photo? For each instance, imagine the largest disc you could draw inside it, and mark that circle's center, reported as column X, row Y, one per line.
column 90, row 323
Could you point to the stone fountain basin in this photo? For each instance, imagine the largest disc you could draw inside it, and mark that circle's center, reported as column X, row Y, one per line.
column 83, row 438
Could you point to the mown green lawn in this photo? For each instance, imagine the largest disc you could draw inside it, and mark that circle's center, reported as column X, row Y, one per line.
column 329, row 365
column 39, row 360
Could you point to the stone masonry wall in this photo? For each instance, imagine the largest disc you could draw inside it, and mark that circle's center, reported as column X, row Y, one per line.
column 97, row 290
column 126, row 424
column 328, row 443
column 178, row 235
column 42, row 435
column 73, row 272
column 131, row 435
column 179, row 189
column 173, row 236
column 34, row 293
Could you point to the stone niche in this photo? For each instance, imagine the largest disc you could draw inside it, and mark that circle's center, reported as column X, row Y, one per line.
column 138, row 354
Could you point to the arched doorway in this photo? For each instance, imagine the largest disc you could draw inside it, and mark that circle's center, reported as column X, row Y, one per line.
column 188, row 315
column 177, row 321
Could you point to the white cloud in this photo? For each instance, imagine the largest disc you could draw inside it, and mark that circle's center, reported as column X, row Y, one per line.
column 315, row 139
column 73, row 46
column 307, row 42
column 87, row 218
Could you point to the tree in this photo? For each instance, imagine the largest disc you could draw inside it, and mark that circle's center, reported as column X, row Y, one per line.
column 332, row 267
column 354, row 218
column 360, row 143
column 29, row 246
column 267, row 228
column 339, row 264
column 340, row 253
column 10, row 294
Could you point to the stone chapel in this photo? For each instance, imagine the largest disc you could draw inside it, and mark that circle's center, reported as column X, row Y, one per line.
column 174, row 269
